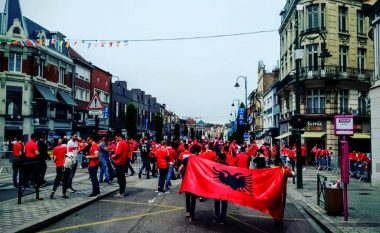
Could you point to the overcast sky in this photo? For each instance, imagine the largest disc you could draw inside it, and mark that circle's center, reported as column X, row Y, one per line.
column 193, row 77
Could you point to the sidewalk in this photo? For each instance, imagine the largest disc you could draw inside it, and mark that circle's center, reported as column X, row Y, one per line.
column 363, row 203
column 29, row 215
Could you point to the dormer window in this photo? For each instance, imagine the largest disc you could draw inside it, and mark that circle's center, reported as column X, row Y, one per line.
column 16, row 31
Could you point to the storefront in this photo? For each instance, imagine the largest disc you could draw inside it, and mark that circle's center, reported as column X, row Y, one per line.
column 315, row 135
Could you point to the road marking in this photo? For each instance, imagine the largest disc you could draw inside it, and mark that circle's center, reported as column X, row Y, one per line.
column 142, row 203
column 110, row 220
column 261, row 216
column 248, row 225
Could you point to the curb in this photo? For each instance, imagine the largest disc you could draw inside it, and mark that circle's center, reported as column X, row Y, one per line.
column 41, row 223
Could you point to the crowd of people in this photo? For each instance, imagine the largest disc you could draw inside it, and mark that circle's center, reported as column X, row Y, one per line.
column 165, row 160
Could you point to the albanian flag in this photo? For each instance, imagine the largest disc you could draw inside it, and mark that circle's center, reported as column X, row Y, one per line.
column 261, row 189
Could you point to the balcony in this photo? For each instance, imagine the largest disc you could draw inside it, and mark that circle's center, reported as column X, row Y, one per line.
column 336, row 72
column 312, row 30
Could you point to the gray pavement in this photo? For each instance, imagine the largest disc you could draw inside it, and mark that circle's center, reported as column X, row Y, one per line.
column 363, row 204
column 302, row 214
column 143, row 210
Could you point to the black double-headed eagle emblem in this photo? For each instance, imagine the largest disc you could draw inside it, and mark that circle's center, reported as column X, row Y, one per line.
column 237, row 181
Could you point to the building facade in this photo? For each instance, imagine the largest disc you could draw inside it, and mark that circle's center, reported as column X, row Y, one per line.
column 372, row 10
column 336, row 68
column 36, row 78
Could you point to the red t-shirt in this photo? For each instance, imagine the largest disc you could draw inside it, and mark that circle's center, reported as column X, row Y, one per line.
column 242, row 160
column 95, row 161
column 291, row 154
column 17, row 148
column 30, row 149
column 303, row 151
column 184, row 154
column 121, row 153
column 60, row 152
column 284, row 151
column 230, row 160
column 252, row 150
column 172, row 154
column 209, row 155
column 162, row 154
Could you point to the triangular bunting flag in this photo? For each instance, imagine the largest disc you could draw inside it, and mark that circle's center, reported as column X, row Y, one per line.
column 125, row 43
column 89, row 45
column 110, row 43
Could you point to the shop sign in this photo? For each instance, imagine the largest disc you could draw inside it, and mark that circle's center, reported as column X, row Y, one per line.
column 315, row 126
column 343, row 125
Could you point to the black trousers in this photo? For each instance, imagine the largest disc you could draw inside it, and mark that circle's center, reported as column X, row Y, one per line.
column 129, row 167
column 220, row 208
column 190, row 203
column 71, row 175
column 30, row 171
column 42, row 167
column 62, row 174
column 162, row 178
column 120, row 174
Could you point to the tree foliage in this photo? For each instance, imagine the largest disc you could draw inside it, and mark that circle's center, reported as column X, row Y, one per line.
column 131, row 121
column 159, row 123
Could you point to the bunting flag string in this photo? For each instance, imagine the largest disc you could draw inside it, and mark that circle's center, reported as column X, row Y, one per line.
column 112, row 43
column 65, row 43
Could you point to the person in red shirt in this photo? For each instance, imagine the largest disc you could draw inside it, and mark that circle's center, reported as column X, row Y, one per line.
column 120, row 159
column 31, row 159
column 162, row 155
column 208, row 153
column 93, row 165
column 62, row 173
column 17, row 159
column 284, row 153
column 130, row 157
column 172, row 157
column 242, row 159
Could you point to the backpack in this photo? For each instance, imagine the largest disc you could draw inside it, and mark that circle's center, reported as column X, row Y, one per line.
column 69, row 159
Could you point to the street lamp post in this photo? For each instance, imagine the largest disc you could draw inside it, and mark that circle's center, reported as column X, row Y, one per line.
column 245, row 85
column 246, row 106
column 233, row 103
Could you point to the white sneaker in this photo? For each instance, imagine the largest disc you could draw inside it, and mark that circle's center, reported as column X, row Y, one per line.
column 119, row 195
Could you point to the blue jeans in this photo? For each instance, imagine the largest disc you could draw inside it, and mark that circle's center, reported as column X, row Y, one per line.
column 94, row 179
column 169, row 175
column 104, row 169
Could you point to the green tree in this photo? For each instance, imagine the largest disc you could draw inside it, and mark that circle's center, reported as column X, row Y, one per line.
column 159, row 123
column 192, row 133
column 176, row 131
column 186, row 131
column 131, row 121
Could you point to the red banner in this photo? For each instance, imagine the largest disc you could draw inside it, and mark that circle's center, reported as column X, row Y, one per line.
column 261, row 189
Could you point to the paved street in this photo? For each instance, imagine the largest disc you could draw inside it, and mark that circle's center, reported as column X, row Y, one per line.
column 144, row 211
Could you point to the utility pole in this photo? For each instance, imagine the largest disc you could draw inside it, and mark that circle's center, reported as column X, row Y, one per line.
column 297, row 129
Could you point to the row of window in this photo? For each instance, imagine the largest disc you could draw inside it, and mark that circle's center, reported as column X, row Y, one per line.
column 15, row 65
column 316, row 99
column 316, row 18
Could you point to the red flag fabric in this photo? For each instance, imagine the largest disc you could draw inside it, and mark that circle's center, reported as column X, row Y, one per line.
column 261, row 189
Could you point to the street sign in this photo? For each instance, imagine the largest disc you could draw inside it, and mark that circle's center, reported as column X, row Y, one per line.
column 106, row 112
column 95, row 103
column 343, row 125
column 95, row 112
column 246, row 136
column 241, row 116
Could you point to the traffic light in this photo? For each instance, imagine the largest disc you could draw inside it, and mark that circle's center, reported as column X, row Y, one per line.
column 298, row 121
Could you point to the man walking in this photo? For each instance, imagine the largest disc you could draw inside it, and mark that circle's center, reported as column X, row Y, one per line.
column 42, row 157
column 162, row 155
column 93, row 165
column 145, row 152
column 104, row 159
column 17, row 160
column 31, row 153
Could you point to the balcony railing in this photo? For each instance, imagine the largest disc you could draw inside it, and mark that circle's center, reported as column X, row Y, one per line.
column 336, row 72
column 315, row 110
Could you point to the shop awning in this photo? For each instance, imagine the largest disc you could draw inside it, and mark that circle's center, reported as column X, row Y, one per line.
column 67, row 98
column 46, row 93
column 313, row 134
column 283, row 135
column 361, row 136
